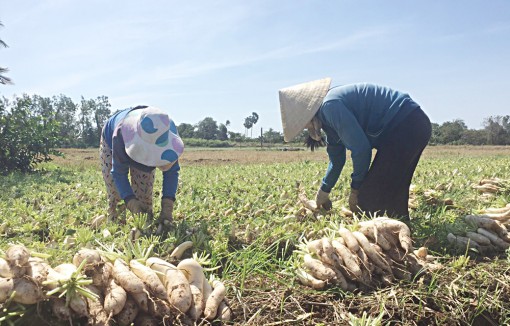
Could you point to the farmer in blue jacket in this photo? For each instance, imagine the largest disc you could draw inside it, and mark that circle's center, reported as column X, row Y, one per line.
column 360, row 117
column 136, row 141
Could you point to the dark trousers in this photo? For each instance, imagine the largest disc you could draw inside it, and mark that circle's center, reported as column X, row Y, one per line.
column 385, row 189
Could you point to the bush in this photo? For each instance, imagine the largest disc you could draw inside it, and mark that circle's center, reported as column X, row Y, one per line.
column 25, row 137
column 199, row 142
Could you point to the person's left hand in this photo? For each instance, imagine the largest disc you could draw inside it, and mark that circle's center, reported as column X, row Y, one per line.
column 353, row 200
column 166, row 215
column 322, row 200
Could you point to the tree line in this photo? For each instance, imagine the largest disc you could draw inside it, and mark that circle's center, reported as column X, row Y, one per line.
column 495, row 131
column 32, row 127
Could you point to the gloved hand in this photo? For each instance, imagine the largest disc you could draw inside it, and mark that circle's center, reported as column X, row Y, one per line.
column 167, row 209
column 353, row 200
column 166, row 215
column 322, row 200
column 135, row 206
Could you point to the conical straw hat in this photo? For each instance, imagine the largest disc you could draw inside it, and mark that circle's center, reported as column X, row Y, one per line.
column 299, row 103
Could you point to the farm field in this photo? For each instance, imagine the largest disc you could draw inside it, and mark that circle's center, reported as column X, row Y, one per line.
column 236, row 207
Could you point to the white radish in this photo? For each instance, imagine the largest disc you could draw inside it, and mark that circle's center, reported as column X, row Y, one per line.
column 37, row 270
column 160, row 266
column 115, row 298
column 142, row 300
column 371, row 231
column 404, row 233
column 5, row 269
column 6, row 288
column 100, row 274
column 180, row 249
column 195, row 275
column 462, row 242
column 350, row 240
column 8, row 270
column 179, row 290
column 150, row 279
column 329, row 255
column 79, row 305
column 96, row 313
column 479, row 238
column 17, row 255
column 349, row 259
column 498, row 242
column 126, row 278
column 422, row 252
column 314, row 246
column 224, row 312
column 206, row 289
column 128, row 313
column 91, row 257
column 66, row 270
column 214, row 300
column 309, row 280
column 318, row 269
column 176, row 283
column 371, row 253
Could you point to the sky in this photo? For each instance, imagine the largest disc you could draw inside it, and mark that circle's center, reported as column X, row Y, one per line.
column 226, row 59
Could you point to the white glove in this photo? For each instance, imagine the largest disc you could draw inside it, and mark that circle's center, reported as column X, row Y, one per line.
column 322, row 200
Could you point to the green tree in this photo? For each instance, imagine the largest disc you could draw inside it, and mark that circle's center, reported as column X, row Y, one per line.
column 236, row 136
column 273, row 136
column 186, row 130
column 474, row 137
column 26, row 137
column 254, row 120
column 65, row 114
column 222, row 132
column 3, row 79
column 435, row 137
column 498, row 130
column 451, row 132
column 249, row 122
column 101, row 113
column 207, row 129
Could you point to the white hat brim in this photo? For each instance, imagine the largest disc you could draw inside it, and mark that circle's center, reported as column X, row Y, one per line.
column 149, row 153
column 299, row 103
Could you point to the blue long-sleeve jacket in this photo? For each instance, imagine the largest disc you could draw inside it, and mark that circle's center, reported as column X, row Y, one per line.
column 357, row 117
column 121, row 161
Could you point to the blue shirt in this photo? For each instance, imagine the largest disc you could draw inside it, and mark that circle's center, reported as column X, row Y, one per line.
column 357, row 117
column 121, row 161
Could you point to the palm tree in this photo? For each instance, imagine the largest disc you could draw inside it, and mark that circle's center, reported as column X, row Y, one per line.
column 3, row 79
column 254, row 119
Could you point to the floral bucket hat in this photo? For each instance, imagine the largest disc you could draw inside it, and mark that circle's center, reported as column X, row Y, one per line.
column 151, row 137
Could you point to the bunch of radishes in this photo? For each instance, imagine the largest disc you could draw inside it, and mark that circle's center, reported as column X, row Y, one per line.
column 377, row 253
column 488, row 187
column 490, row 233
column 104, row 288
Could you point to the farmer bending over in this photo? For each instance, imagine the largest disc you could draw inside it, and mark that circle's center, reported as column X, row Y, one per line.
column 360, row 117
column 136, row 140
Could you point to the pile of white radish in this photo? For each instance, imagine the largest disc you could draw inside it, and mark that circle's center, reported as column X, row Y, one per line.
column 379, row 252
column 489, row 187
column 490, row 235
column 150, row 292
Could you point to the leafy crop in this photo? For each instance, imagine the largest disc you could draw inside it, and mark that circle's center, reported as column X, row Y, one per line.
column 245, row 217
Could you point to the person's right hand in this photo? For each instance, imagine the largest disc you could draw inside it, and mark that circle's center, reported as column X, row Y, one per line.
column 322, row 200
column 135, row 206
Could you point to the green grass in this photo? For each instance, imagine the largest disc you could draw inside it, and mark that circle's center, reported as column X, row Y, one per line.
column 238, row 214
